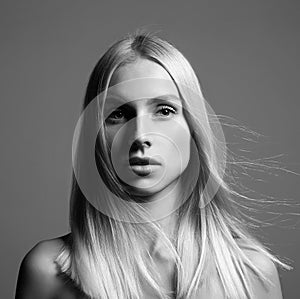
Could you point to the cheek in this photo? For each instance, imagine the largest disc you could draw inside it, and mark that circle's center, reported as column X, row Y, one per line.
column 183, row 143
column 113, row 138
column 179, row 146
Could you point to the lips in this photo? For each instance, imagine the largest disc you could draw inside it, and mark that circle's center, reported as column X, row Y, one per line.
column 142, row 161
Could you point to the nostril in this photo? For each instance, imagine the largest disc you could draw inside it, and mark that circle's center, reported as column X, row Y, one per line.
column 134, row 147
column 139, row 144
column 146, row 143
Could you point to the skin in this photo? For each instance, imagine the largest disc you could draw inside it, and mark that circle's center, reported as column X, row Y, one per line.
column 143, row 109
column 146, row 108
column 38, row 276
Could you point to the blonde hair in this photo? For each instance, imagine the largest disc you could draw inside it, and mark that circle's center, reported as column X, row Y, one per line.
column 99, row 258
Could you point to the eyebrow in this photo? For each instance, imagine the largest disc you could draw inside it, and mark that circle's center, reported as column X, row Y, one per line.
column 149, row 101
column 168, row 97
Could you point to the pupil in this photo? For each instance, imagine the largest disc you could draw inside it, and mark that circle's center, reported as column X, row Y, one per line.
column 118, row 114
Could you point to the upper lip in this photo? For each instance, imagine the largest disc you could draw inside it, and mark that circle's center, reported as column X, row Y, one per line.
column 143, row 161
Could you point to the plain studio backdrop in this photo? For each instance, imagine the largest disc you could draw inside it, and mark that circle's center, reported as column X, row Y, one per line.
column 246, row 54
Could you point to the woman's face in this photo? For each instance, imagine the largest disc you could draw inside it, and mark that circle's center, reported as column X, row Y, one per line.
column 144, row 119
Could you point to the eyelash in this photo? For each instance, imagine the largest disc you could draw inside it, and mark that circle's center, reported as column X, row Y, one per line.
column 169, row 108
column 162, row 107
column 116, row 111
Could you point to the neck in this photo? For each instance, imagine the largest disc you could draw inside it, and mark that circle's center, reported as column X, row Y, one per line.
column 162, row 208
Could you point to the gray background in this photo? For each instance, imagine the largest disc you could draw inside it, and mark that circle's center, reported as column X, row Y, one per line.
column 246, row 54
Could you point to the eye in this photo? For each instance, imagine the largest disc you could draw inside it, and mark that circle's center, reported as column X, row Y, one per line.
column 166, row 110
column 115, row 116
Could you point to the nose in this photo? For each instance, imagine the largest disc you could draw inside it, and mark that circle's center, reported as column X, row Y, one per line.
column 141, row 137
column 140, row 144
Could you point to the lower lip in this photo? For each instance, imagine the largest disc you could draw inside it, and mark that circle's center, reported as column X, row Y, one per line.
column 143, row 170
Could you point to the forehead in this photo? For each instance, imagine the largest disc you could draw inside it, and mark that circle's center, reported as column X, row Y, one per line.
column 141, row 79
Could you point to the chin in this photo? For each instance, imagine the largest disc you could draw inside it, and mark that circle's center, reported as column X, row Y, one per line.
column 142, row 191
column 148, row 189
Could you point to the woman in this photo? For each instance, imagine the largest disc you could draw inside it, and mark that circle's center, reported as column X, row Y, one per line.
column 160, row 221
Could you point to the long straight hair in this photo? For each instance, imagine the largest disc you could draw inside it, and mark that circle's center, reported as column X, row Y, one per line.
column 211, row 239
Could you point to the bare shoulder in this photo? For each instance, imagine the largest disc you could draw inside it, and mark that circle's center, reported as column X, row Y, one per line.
column 42, row 255
column 38, row 273
column 261, row 261
column 267, row 266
